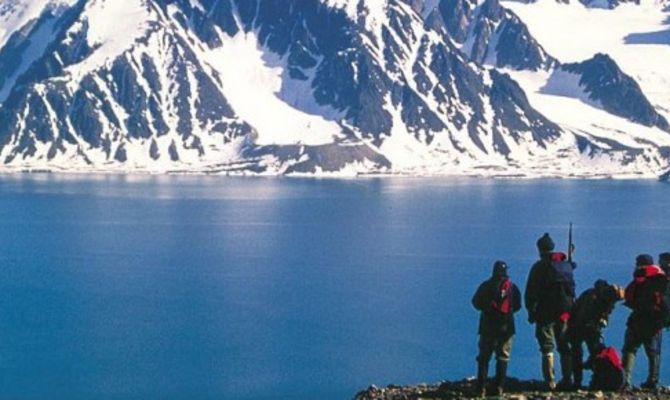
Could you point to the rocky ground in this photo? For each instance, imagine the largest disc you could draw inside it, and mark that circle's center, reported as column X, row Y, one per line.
column 517, row 390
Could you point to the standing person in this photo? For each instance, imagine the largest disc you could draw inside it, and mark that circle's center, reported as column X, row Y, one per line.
column 647, row 297
column 590, row 316
column 549, row 297
column 497, row 299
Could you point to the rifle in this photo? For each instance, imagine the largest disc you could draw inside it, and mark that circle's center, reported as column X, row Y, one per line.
column 571, row 246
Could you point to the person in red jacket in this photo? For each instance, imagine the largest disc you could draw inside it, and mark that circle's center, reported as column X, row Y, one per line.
column 497, row 299
column 646, row 296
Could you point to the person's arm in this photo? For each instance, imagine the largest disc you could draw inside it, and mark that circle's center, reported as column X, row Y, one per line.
column 479, row 300
column 516, row 298
column 630, row 296
column 531, row 295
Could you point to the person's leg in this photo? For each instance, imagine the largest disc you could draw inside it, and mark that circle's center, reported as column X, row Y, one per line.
column 503, row 354
column 631, row 345
column 578, row 360
column 652, row 347
column 486, row 348
column 564, row 351
column 544, row 333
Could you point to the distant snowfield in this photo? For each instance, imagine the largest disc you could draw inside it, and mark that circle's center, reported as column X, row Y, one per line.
column 637, row 37
column 252, row 81
column 574, row 112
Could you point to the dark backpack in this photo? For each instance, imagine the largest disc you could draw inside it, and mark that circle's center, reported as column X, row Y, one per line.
column 664, row 305
column 651, row 294
column 561, row 284
column 607, row 370
column 502, row 302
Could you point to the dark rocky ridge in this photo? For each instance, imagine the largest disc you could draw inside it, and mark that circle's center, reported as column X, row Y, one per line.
column 493, row 34
column 516, row 390
column 618, row 92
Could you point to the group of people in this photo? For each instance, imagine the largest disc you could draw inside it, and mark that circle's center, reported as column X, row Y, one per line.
column 567, row 322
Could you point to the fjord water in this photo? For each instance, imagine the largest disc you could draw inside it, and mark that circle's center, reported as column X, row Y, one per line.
column 250, row 288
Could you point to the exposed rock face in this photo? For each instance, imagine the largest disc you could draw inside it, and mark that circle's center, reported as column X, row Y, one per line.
column 493, row 35
column 618, row 93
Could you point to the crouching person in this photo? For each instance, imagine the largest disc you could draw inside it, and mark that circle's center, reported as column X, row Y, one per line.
column 497, row 299
column 590, row 316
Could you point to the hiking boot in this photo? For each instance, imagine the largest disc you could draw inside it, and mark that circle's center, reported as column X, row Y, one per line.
column 548, row 370
column 628, row 362
column 482, row 373
column 566, row 373
column 649, row 385
column 654, row 371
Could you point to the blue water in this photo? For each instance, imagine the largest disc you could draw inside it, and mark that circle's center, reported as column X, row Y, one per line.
column 231, row 288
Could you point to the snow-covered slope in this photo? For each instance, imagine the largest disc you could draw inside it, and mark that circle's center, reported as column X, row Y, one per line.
column 319, row 86
column 636, row 36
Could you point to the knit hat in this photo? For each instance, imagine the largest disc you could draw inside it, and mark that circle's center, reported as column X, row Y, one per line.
column 644, row 259
column 545, row 244
column 499, row 269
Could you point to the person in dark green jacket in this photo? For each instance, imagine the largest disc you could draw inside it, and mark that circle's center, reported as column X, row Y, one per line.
column 590, row 316
column 497, row 299
column 549, row 297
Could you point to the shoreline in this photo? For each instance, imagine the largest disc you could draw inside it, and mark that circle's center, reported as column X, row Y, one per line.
column 515, row 390
column 514, row 176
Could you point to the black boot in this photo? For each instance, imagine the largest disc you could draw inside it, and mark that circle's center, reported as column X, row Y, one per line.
column 654, row 371
column 566, row 372
column 482, row 375
column 578, row 374
column 501, row 375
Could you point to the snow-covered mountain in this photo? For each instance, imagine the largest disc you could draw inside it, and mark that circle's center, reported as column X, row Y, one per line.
column 336, row 86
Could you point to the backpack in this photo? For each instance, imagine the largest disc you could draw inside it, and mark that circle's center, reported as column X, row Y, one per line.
column 502, row 302
column 665, row 306
column 608, row 372
column 561, row 284
column 650, row 292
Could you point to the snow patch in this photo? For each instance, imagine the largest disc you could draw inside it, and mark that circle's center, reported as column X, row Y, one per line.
column 566, row 84
column 252, row 82
column 348, row 6
column 113, row 27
